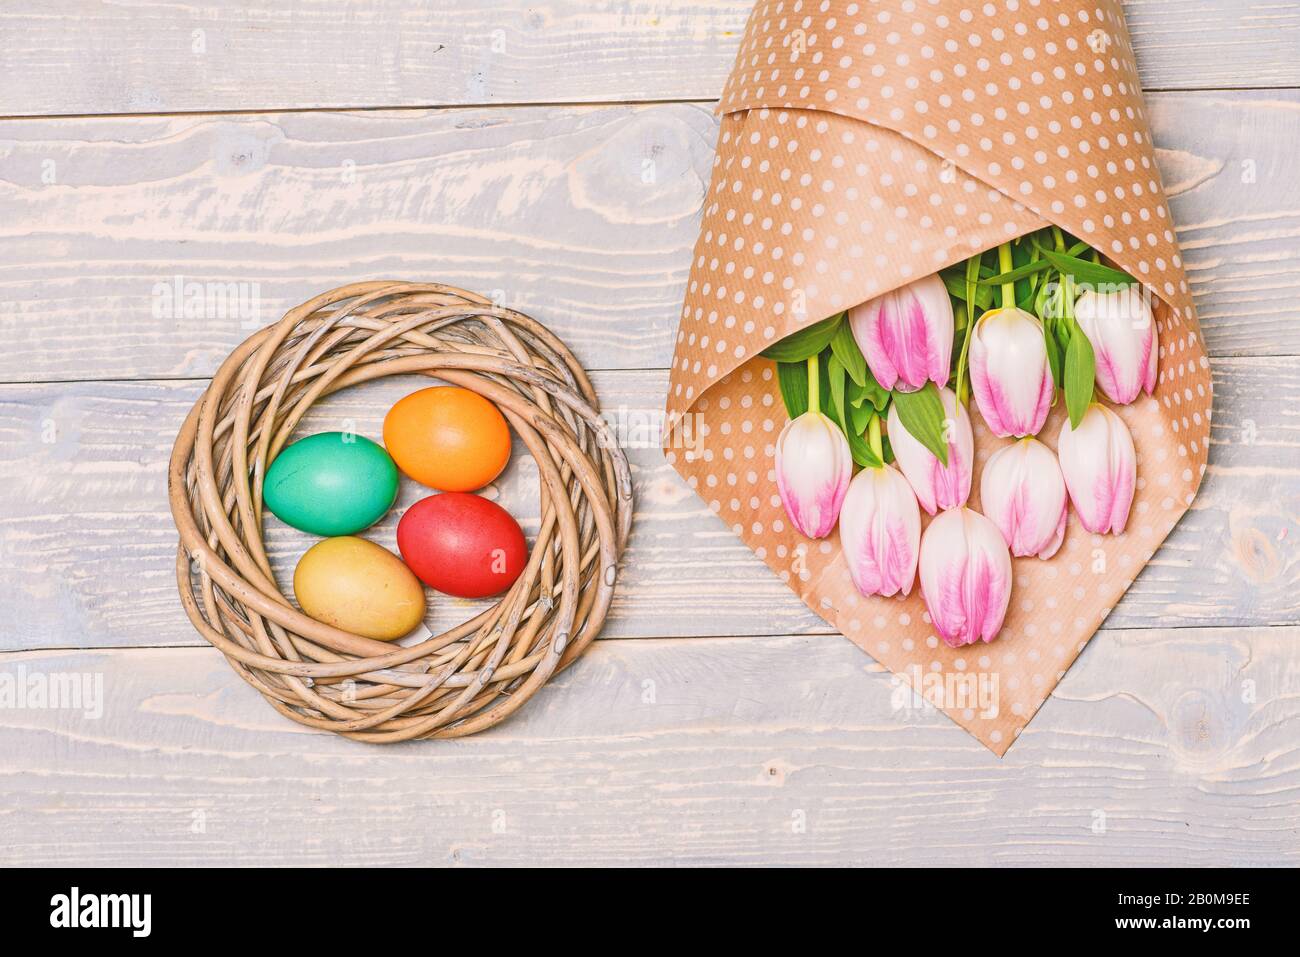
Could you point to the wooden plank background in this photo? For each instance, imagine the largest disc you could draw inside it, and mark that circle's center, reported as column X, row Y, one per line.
column 99, row 481
column 762, row 738
column 778, row 750
column 557, row 195
column 142, row 56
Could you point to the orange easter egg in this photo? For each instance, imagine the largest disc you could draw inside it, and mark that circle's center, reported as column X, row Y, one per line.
column 448, row 438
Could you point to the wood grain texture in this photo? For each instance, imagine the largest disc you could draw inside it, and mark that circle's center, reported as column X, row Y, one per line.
column 1175, row 746
column 142, row 56
column 583, row 217
column 1157, row 749
column 87, row 545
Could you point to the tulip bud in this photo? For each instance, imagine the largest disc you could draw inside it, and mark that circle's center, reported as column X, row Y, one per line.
column 965, row 577
column 813, row 468
column 937, row 486
column 880, row 532
column 1100, row 469
column 906, row 334
column 1023, row 494
column 1122, row 331
column 1009, row 372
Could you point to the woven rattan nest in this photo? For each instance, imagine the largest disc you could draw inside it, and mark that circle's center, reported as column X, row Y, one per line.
column 478, row 673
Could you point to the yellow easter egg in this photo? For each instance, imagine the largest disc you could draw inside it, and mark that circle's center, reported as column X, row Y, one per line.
column 358, row 586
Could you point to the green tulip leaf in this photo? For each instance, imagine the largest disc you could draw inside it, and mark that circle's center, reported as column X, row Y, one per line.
column 836, row 377
column 805, row 343
column 1054, row 356
column 1088, row 272
column 845, row 348
column 1080, row 372
column 858, row 446
column 1015, row 275
column 792, row 377
column 862, row 453
column 860, row 416
column 956, row 284
column 876, row 394
column 922, row 414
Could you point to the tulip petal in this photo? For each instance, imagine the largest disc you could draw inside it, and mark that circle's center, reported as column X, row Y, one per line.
column 938, row 487
column 1122, row 330
column 1099, row 464
column 1109, row 375
column 880, row 532
column 1122, row 464
column 1023, row 493
column 813, row 469
column 1053, row 544
column 1010, row 374
column 1150, row 374
column 965, row 573
column 869, row 330
column 906, row 334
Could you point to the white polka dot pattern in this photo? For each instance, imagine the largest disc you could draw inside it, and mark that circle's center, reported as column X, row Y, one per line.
column 867, row 144
column 804, row 222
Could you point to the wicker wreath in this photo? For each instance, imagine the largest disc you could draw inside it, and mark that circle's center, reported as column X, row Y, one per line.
column 478, row 673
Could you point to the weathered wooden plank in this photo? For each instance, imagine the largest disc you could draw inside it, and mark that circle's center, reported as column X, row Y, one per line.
column 550, row 209
column 584, row 217
column 1157, row 749
column 87, row 544
column 139, row 56
column 1235, row 196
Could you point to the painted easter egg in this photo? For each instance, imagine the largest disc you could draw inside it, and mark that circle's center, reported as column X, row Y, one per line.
column 448, row 438
column 331, row 483
column 462, row 544
column 361, row 587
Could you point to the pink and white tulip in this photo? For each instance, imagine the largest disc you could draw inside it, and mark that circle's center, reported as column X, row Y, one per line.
column 1122, row 331
column 1099, row 464
column 813, row 469
column 965, row 577
column 937, row 486
column 906, row 334
column 1009, row 372
column 1023, row 493
column 880, row 532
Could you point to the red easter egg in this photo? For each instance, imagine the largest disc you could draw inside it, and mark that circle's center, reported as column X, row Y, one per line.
column 462, row 544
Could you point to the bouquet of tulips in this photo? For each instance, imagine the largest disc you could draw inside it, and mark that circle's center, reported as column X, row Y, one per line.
column 886, row 385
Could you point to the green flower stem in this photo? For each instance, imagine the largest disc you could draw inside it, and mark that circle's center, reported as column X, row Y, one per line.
column 972, row 273
column 1005, row 264
column 814, row 387
column 1058, row 238
column 873, row 436
column 965, row 326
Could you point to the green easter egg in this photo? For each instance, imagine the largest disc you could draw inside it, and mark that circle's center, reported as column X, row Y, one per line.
column 331, row 483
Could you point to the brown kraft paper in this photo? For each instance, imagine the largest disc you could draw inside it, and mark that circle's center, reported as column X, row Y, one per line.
column 864, row 145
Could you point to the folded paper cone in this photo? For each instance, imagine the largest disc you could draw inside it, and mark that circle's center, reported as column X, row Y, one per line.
column 864, row 145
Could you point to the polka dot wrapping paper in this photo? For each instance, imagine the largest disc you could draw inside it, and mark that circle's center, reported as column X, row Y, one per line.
column 864, row 145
